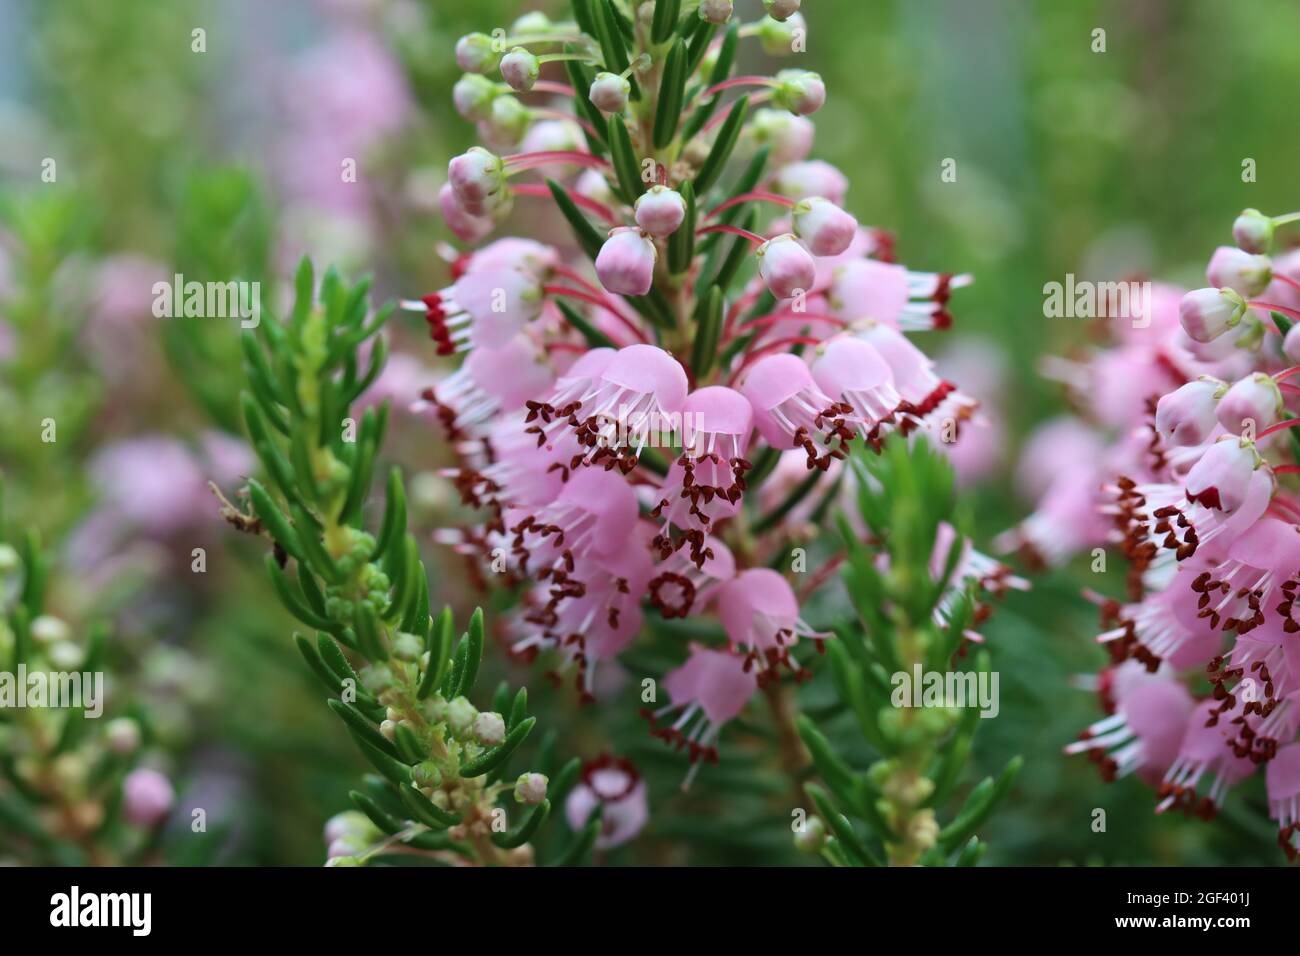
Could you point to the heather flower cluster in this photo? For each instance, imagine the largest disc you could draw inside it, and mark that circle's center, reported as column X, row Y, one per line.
column 1198, row 494
column 615, row 415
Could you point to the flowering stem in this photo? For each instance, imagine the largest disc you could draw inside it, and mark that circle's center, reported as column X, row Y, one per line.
column 755, row 355
column 1286, row 280
column 757, row 196
column 733, row 230
column 1273, row 429
column 1288, row 218
column 522, row 161
column 600, row 209
column 1286, row 373
column 1289, row 313
column 551, row 86
column 598, row 301
column 735, row 81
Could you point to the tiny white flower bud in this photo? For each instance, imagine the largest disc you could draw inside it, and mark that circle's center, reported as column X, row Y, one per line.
column 460, row 714
column 489, row 728
column 660, row 210
column 609, row 92
column 122, row 735
column 530, row 788
column 48, row 629
column 389, row 729
column 715, row 11
column 520, row 69
column 1253, row 231
column 781, row 10
column 474, row 53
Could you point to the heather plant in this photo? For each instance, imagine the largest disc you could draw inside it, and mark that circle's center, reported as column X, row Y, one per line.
column 399, row 680
column 650, row 430
column 79, row 756
column 1194, row 489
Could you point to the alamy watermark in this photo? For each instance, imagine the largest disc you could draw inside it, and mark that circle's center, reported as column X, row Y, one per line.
column 208, row 300
column 960, row 689
column 76, row 690
column 1083, row 299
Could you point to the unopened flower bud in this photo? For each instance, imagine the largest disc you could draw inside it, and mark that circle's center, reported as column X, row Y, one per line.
column 1255, row 399
column 473, row 96
column 507, row 123
column 474, row 53
column 823, row 226
column 466, row 226
column 407, row 647
column 802, row 92
column 388, row 728
column 1220, row 478
column 489, row 728
column 460, row 714
column 147, row 797
column 9, row 559
column 534, row 21
column 626, row 262
column 781, row 10
column 811, row 837
column 1206, row 314
column 786, row 266
column 1291, row 345
column 426, row 774
column 789, row 138
column 1253, row 231
column 1185, row 416
column 715, row 11
column 1246, row 274
column 477, row 176
column 122, row 736
column 609, row 92
column 776, row 37
column 520, row 69
column 660, row 210
column 48, row 629
column 530, row 788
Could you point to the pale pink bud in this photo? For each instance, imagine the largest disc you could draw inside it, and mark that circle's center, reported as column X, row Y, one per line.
column 478, row 176
column 1231, row 268
column 474, row 53
column 147, row 797
column 520, row 69
column 823, row 226
column 1255, row 399
column 1253, row 231
column 609, row 92
column 781, row 10
column 506, row 124
column 530, row 788
column 715, row 11
column 1220, row 478
column 786, row 266
column 789, row 138
column 1206, row 314
column 489, row 729
column 626, row 262
column 1185, row 416
column 660, row 210
column 473, row 96
column 813, row 177
column 802, row 92
column 466, row 226
column 1291, row 345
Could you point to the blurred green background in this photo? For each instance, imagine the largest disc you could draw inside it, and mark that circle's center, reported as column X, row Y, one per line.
column 171, row 160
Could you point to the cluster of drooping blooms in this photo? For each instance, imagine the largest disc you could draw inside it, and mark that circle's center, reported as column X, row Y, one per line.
column 614, row 422
column 1197, row 493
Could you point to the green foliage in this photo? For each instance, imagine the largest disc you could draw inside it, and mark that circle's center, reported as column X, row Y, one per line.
column 396, row 681
column 904, row 624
